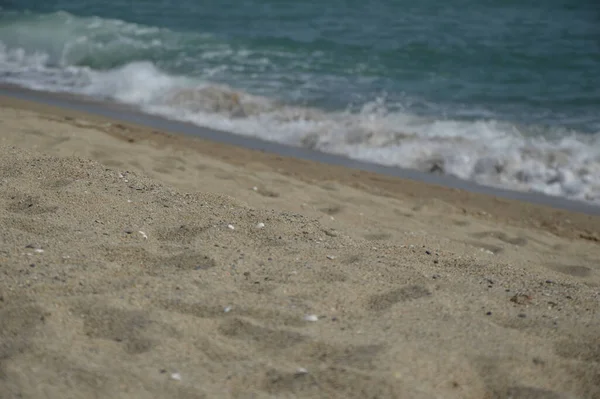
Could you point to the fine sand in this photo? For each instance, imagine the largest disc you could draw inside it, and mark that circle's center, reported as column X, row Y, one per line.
column 139, row 264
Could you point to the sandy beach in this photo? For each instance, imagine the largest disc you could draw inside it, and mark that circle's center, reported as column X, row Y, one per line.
column 135, row 263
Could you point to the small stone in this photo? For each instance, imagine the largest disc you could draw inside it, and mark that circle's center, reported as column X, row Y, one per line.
column 301, row 370
column 311, row 317
column 330, row 257
column 428, row 252
column 522, row 315
column 227, row 309
column 176, row 376
column 230, row 227
column 520, row 299
column 260, row 225
column 488, row 313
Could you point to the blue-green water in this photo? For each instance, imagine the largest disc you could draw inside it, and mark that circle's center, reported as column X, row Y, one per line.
column 502, row 92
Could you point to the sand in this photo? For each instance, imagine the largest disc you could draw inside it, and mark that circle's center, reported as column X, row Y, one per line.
column 139, row 264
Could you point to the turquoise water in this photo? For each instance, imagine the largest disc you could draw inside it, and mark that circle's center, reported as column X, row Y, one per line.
column 501, row 92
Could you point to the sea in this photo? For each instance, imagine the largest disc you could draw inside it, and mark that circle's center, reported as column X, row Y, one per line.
column 504, row 93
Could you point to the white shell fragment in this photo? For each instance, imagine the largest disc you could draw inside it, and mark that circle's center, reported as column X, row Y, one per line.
column 143, row 235
column 231, row 227
column 330, row 257
column 227, row 309
column 176, row 376
column 311, row 317
column 301, row 370
column 260, row 225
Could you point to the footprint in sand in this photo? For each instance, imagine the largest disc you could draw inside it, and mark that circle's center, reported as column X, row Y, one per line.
column 28, row 205
column 575, row 271
column 518, row 241
column 132, row 328
column 264, row 337
column 386, row 300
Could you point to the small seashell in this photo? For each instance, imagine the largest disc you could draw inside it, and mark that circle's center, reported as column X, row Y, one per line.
column 301, row 370
column 311, row 317
column 176, row 376
column 260, row 225
column 227, row 309
column 330, row 257
column 230, row 226
column 143, row 235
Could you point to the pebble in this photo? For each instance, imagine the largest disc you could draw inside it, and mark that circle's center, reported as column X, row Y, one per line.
column 231, row 227
column 227, row 309
column 260, row 225
column 301, row 370
column 176, row 376
column 520, row 299
column 330, row 257
column 311, row 317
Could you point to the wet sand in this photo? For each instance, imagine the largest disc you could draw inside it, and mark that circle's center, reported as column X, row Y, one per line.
column 136, row 263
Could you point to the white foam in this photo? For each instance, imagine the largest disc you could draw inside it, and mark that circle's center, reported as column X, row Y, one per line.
column 490, row 152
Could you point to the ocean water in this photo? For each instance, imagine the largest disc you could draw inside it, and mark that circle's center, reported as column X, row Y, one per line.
column 505, row 93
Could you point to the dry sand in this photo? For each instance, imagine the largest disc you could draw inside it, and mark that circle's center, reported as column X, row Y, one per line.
column 133, row 265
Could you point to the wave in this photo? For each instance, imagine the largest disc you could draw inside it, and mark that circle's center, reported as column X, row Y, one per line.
column 124, row 62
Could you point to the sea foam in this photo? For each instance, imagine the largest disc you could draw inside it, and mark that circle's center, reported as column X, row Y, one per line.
column 113, row 60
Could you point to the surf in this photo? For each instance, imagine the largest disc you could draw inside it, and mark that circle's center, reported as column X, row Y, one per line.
column 178, row 75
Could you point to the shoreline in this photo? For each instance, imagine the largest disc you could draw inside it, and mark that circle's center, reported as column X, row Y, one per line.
column 132, row 115
column 557, row 215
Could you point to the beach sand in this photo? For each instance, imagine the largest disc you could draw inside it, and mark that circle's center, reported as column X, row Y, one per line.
column 139, row 264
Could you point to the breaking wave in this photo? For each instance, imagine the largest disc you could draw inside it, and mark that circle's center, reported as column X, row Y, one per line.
column 125, row 62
